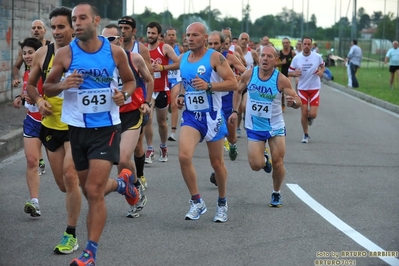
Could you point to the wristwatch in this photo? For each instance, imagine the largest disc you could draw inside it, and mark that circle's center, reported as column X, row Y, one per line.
column 293, row 104
column 149, row 104
column 209, row 86
column 125, row 95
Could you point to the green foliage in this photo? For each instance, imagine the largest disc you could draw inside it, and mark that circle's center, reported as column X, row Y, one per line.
column 372, row 81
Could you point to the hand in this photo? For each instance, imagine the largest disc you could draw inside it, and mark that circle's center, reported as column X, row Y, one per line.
column 233, row 118
column 16, row 82
column 298, row 72
column 284, row 61
column 145, row 109
column 118, row 97
column 290, row 101
column 44, row 107
column 28, row 99
column 72, row 81
column 199, row 84
column 157, row 67
column 180, row 102
column 17, row 103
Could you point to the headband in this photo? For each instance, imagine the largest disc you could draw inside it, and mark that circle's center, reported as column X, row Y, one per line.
column 123, row 21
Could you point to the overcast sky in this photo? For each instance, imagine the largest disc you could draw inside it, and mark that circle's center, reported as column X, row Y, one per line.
column 327, row 11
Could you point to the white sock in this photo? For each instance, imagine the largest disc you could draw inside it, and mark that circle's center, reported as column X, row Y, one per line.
column 35, row 200
column 276, row 191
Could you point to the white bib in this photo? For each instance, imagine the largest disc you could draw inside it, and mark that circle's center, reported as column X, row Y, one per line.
column 260, row 108
column 197, row 100
column 94, row 100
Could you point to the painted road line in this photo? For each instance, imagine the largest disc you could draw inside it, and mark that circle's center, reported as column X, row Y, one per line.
column 339, row 224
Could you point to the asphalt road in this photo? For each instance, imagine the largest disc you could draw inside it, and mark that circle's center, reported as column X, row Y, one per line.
column 340, row 195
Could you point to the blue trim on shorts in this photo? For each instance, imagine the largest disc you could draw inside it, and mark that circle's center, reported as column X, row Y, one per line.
column 254, row 135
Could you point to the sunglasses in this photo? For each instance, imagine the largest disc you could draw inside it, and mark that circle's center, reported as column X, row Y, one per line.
column 112, row 38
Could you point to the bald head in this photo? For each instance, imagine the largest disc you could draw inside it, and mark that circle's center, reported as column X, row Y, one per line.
column 38, row 30
column 269, row 49
column 198, row 27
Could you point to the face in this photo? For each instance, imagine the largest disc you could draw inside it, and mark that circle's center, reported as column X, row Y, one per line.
column 61, row 30
column 395, row 45
column 152, row 35
column 227, row 43
column 127, row 32
column 185, row 46
column 286, row 44
column 227, row 32
column 244, row 39
column 251, row 45
column 38, row 30
column 267, row 58
column 299, row 46
column 171, row 36
column 234, row 41
column 160, row 38
column 196, row 36
column 84, row 23
column 112, row 36
column 265, row 40
column 214, row 42
column 306, row 45
column 27, row 55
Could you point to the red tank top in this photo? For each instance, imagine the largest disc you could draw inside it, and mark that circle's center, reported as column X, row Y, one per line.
column 35, row 115
column 160, row 78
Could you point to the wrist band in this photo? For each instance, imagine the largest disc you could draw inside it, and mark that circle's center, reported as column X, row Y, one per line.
column 41, row 99
column 18, row 96
column 162, row 68
column 180, row 95
column 235, row 111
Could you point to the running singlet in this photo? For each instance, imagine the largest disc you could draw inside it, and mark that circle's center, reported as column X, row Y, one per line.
column 160, row 78
column 263, row 111
column 249, row 59
column 91, row 105
column 174, row 75
column 227, row 96
column 288, row 59
column 199, row 100
column 135, row 101
column 33, row 110
column 52, row 121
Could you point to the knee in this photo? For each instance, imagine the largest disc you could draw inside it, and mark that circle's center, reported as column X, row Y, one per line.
column 32, row 162
column 184, row 158
column 93, row 191
column 256, row 165
column 217, row 165
column 71, row 180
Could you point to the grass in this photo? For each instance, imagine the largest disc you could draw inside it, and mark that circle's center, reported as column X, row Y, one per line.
column 373, row 81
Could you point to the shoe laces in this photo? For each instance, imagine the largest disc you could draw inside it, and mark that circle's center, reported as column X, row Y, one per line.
column 194, row 206
column 164, row 151
column 221, row 210
column 276, row 197
column 64, row 240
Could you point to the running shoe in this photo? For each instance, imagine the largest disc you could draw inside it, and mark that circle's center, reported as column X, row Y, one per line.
column 276, row 200
column 85, row 260
column 149, row 156
column 310, row 121
column 143, row 182
column 268, row 165
column 133, row 212
column 233, row 151
column 42, row 167
column 213, row 179
column 131, row 193
column 221, row 214
column 305, row 138
column 32, row 208
column 67, row 245
column 226, row 145
column 163, row 154
column 172, row 137
column 196, row 210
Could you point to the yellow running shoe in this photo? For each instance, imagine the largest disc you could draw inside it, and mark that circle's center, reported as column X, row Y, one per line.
column 143, row 182
column 67, row 245
column 226, row 145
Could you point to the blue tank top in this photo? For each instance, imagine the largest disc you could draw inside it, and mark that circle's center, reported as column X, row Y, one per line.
column 263, row 109
column 91, row 105
column 199, row 100
column 174, row 75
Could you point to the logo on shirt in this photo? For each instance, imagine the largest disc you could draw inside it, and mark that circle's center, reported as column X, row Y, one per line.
column 201, row 70
column 264, row 92
column 98, row 75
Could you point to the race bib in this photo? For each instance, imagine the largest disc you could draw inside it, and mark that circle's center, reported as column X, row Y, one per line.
column 173, row 74
column 197, row 100
column 32, row 107
column 260, row 109
column 157, row 75
column 95, row 100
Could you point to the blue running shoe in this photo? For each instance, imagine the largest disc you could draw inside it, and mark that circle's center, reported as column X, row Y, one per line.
column 85, row 260
column 131, row 193
column 276, row 200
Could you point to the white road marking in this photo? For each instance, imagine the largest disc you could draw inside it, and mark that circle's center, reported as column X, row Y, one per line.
column 339, row 224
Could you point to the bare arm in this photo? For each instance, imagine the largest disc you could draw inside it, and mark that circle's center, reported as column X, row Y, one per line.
column 35, row 74
column 236, row 63
column 16, row 68
column 238, row 50
column 125, row 73
column 238, row 95
column 255, row 57
column 139, row 62
column 291, row 97
column 229, row 82
column 170, row 53
column 146, row 56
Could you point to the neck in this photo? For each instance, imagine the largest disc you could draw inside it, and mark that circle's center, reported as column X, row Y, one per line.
column 265, row 73
column 43, row 42
column 91, row 45
column 153, row 46
column 128, row 46
column 198, row 53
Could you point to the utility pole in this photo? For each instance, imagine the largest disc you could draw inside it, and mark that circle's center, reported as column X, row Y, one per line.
column 209, row 16
column 302, row 20
column 354, row 21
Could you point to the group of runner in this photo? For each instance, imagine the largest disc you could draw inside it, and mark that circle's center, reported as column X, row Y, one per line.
column 91, row 100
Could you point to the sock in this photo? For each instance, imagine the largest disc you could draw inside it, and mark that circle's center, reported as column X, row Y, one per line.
column 306, row 135
column 121, row 186
column 163, row 145
column 41, row 162
column 222, row 201
column 35, row 200
column 151, row 148
column 196, row 198
column 173, row 129
column 92, row 247
column 139, row 161
column 71, row 230
column 276, row 191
